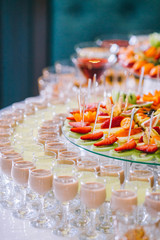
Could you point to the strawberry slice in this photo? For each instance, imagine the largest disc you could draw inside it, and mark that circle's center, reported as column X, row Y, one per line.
column 151, row 148
column 103, row 114
column 71, row 118
column 107, row 141
column 92, row 136
column 127, row 146
column 115, row 122
column 140, row 140
column 79, row 124
column 82, row 130
column 157, row 129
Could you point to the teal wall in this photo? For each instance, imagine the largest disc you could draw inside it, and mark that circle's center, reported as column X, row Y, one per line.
column 16, row 75
column 75, row 21
column 35, row 33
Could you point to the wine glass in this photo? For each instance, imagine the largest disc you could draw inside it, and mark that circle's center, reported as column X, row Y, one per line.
column 143, row 180
column 92, row 195
column 65, row 189
column 113, row 175
column 113, row 42
column 55, row 147
column 86, row 168
column 152, row 205
column 92, row 60
column 20, row 174
column 6, row 165
column 41, row 181
column 70, row 154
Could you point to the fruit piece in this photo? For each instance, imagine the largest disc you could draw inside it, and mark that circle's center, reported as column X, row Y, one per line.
column 127, row 146
column 89, row 116
column 122, row 140
column 79, row 124
column 82, row 130
column 124, row 132
column 86, row 142
column 151, row 148
column 140, row 140
column 92, row 136
column 107, row 141
column 115, row 122
column 132, row 98
column 127, row 113
column 125, row 123
column 129, row 62
column 155, row 120
column 75, row 111
column 141, row 104
column 74, row 135
column 123, row 95
column 157, row 129
column 115, row 95
column 154, row 71
column 152, row 97
column 103, row 114
column 150, row 52
column 138, row 156
column 148, row 67
column 104, row 148
column 138, row 65
column 154, row 39
column 71, row 118
column 122, row 154
column 101, row 120
column 155, row 140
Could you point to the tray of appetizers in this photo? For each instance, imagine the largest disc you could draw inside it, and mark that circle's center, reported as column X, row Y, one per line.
column 137, row 141
column 145, row 54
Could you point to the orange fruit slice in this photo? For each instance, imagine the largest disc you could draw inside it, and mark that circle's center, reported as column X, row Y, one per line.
column 125, row 123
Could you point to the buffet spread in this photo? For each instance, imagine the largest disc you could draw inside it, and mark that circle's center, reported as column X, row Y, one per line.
column 83, row 158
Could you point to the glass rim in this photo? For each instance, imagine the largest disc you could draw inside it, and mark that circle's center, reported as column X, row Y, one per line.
column 64, row 179
column 40, row 172
column 57, row 163
column 23, row 164
column 94, row 185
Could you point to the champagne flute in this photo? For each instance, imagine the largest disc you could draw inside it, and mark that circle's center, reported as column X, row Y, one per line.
column 20, row 174
column 86, row 168
column 92, row 195
column 65, row 189
column 41, row 182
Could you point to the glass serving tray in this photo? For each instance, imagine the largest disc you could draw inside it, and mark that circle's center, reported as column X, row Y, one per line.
column 107, row 154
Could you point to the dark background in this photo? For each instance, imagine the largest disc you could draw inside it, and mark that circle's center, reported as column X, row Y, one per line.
column 35, row 33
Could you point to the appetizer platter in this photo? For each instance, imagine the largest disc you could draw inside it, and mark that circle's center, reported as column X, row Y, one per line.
column 125, row 127
column 145, row 54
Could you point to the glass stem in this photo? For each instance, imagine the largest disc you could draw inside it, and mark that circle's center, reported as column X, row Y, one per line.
column 83, row 210
column 24, row 194
column 11, row 193
column 65, row 209
column 42, row 212
column 92, row 227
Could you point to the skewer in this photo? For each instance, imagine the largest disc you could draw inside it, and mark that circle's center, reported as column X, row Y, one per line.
column 130, row 127
column 150, row 127
column 84, row 102
column 110, row 122
column 96, row 116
